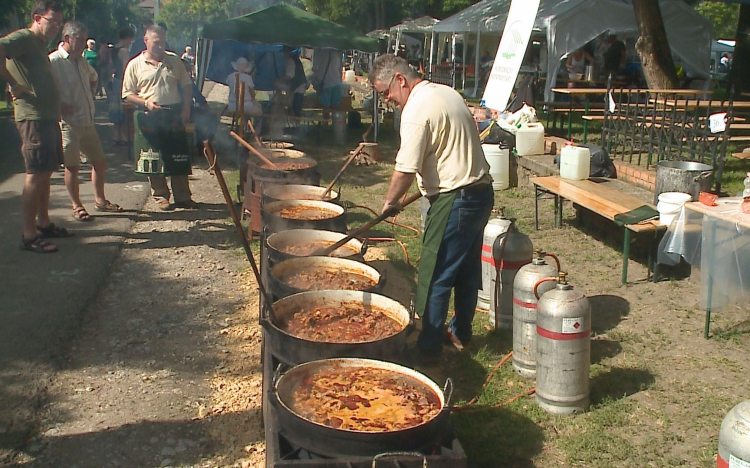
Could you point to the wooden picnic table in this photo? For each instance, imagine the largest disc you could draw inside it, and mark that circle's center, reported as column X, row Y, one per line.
column 700, row 103
column 599, row 196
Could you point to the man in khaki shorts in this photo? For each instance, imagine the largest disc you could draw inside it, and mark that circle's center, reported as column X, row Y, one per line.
column 75, row 78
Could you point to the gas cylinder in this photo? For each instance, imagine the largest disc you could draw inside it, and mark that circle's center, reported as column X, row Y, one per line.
column 495, row 228
column 563, row 343
column 510, row 251
column 734, row 438
column 524, row 310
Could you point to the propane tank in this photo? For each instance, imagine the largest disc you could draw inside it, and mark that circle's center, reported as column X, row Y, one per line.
column 524, row 310
column 495, row 228
column 563, row 346
column 734, row 438
column 510, row 251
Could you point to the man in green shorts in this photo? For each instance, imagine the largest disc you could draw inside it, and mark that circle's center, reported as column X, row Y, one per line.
column 36, row 107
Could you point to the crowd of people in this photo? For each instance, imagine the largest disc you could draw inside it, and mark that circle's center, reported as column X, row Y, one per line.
column 54, row 103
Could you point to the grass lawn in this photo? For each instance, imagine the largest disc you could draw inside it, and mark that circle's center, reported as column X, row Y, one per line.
column 658, row 390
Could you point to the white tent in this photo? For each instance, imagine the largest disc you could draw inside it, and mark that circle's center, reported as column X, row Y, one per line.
column 570, row 24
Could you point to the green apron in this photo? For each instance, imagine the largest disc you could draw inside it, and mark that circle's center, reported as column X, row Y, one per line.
column 161, row 145
column 434, row 229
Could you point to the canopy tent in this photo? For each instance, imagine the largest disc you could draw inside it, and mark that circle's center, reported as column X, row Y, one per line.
column 279, row 24
column 423, row 25
column 570, row 24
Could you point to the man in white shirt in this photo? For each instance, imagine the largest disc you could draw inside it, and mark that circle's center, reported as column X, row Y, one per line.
column 152, row 81
column 75, row 78
column 440, row 147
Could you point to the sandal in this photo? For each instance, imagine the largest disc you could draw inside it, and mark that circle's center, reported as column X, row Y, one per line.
column 37, row 245
column 164, row 205
column 80, row 214
column 53, row 231
column 108, row 206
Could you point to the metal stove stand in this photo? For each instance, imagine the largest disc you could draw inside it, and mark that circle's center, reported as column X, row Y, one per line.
column 280, row 452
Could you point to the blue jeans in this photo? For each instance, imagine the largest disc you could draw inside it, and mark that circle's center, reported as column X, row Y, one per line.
column 458, row 266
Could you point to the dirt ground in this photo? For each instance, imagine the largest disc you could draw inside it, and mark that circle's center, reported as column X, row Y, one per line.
column 165, row 371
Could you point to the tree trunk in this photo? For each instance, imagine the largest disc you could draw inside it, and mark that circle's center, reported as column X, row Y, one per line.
column 740, row 71
column 653, row 47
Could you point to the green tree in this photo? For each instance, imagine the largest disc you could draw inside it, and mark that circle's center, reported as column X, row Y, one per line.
column 723, row 16
column 102, row 17
column 185, row 17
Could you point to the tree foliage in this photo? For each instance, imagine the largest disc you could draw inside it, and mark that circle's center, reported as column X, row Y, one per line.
column 722, row 15
column 102, row 17
column 184, row 18
column 366, row 15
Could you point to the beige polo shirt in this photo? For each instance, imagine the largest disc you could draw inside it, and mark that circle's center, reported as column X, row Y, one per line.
column 156, row 81
column 439, row 140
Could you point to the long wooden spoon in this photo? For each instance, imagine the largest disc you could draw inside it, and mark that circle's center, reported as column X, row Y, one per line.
column 253, row 150
column 214, row 163
column 392, row 211
column 354, row 154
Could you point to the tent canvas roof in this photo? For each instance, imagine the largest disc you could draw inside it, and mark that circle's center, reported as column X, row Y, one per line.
column 422, row 25
column 288, row 25
column 489, row 16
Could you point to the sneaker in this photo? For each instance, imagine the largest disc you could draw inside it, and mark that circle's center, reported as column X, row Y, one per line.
column 450, row 338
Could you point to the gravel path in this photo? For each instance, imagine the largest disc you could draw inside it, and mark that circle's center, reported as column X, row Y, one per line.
column 165, row 371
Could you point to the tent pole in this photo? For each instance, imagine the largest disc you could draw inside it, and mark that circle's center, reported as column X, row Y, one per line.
column 453, row 61
column 432, row 50
column 398, row 42
column 477, row 68
column 463, row 61
column 375, row 115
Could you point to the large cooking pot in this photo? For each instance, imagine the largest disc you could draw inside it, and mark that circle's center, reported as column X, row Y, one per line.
column 293, row 350
column 326, row 440
column 280, row 273
column 292, row 170
column 682, row 176
column 298, row 192
column 286, row 244
column 312, row 239
column 274, row 219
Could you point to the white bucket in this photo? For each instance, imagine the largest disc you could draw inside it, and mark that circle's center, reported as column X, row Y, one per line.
column 349, row 76
column 670, row 204
column 339, row 127
column 498, row 159
column 530, row 139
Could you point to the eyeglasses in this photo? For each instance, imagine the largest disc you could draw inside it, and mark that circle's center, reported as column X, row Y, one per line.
column 386, row 93
column 53, row 21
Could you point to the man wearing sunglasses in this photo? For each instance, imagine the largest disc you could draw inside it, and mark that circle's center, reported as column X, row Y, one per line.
column 440, row 148
column 36, row 107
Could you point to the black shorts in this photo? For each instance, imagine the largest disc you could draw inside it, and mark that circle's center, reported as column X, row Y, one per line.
column 41, row 145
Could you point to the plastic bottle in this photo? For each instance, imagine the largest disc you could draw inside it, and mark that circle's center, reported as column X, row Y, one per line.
column 746, row 192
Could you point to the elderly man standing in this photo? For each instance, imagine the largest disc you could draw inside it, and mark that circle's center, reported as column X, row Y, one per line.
column 75, row 77
column 152, row 81
column 36, row 107
column 440, row 147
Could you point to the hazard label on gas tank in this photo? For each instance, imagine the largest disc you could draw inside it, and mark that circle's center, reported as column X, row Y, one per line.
column 735, row 462
column 572, row 325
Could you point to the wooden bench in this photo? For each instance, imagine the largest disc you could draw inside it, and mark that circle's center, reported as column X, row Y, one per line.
column 598, row 196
